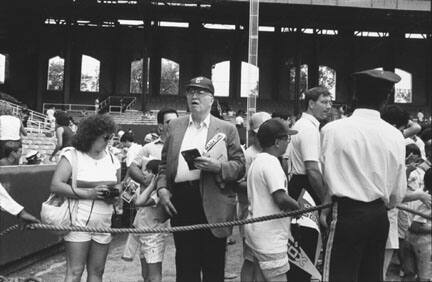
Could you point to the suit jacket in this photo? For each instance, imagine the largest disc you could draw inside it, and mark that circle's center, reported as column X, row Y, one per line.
column 219, row 203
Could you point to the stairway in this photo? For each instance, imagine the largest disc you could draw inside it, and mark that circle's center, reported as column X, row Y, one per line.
column 40, row 142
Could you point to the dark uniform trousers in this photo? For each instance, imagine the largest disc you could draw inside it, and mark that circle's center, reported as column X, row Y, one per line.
column 200, row 256
column 356, row 241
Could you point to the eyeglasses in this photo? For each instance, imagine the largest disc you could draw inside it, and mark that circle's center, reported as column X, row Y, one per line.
column 285, row 137
column 108, row 137
column 198, row 92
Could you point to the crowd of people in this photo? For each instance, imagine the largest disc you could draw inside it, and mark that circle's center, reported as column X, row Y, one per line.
column 195, row 170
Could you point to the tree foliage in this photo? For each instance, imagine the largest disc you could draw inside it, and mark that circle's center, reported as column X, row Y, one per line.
column 55, row 74
column 136, row 80
column 170, row 76
column 90, row 71
column 327, row 78
column 303, row 80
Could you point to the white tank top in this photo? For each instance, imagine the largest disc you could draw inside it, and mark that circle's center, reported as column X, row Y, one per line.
column 10, row 128
column 91, row 170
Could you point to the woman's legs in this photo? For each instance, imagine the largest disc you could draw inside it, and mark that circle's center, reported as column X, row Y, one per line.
column 76, row 255
column 96, row 261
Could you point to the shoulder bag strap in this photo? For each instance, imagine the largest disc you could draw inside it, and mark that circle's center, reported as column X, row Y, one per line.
column 91, row 210
column 109, row 153
column 74, row 165
column 74, row 181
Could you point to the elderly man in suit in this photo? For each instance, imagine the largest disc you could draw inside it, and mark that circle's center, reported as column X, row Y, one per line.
column 204, row 194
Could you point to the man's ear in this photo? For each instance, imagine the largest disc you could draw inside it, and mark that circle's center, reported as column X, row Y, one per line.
column 276, row 142
column 311, row 104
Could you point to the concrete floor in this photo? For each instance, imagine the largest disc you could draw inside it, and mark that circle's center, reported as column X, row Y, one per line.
column 118, row 270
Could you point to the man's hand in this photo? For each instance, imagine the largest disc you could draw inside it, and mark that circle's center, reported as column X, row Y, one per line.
column 165, row 201
column 208, row 164
column 27, row 218
column 426, row 199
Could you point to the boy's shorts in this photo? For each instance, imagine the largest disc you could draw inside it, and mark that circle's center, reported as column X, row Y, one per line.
column 271, row 265
column 152, row 247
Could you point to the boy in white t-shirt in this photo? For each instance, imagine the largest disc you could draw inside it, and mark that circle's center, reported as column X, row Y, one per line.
column 266, row 243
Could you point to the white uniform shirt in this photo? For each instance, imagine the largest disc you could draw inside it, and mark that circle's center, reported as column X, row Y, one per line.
column 265, row 177
column 10, row 128
column 194, row 138
column 152, row 150
column 363, row 158
column 305, row 145
column 7, row 203
column 132, row 153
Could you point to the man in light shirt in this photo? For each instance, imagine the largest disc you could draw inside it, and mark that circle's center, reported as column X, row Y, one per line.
column 203, row 192
column 152, row 150
column 127, row 140
column 10, row 206
column 303, row 153
column 363, row 162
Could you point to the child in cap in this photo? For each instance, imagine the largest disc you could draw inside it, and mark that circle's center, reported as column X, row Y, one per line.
column 149, row 215
column 419, row 238
column 415, row 177
column 266, row 243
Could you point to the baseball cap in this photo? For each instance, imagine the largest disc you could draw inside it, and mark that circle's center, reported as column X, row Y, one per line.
column 275, row 126
column 201, row 82
column 33, row 157
column 378, row 76
column 257, row 119
column 272, row 129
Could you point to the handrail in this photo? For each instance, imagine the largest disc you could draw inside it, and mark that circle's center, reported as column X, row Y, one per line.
column 39, row 126
column 70, row 107
column 17, row 108
column 110, row 109
column 104, row 103
column 132, row 103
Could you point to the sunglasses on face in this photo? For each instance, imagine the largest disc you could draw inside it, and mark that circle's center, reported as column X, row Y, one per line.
column 285, row 137
column 108, row 137
column 198, row 92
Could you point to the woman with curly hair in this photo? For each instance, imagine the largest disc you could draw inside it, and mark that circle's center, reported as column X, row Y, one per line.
column 97, row 175
column 64, row 133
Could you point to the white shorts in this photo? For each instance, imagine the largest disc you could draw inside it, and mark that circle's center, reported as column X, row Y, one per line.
column 152, row 246
column 271, row 265
column 96, row 221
